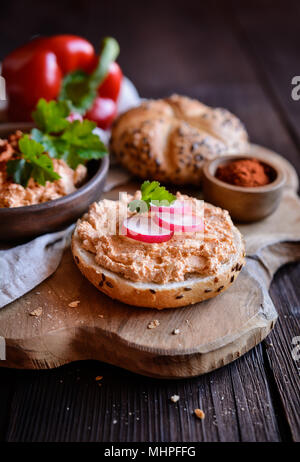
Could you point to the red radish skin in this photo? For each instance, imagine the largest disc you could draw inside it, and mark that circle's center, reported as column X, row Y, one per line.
column 180, row 223
column 177, row 207
column 144, row 229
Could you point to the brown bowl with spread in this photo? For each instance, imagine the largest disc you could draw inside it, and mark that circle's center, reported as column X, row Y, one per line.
column 249, row 188
column 20, row 223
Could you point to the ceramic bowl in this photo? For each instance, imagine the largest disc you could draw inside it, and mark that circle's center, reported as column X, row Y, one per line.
column 22, row 223
column 243, row 203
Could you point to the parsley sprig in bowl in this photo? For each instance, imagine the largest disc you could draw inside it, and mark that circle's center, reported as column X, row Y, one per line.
column 37, row 163
column 54, row 137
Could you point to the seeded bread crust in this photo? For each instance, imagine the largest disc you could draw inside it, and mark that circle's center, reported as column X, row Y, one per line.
column 159, row 296
column 169, row 139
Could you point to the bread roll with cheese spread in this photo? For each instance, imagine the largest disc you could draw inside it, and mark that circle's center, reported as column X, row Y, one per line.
column 169, row 139
column 184, row 270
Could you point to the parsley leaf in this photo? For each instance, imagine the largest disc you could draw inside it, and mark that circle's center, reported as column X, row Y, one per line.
column 53, row 144
column 82, row 143
column 74, row 141
column 152, row 192
column 79, row 89
column 33, row 164
column 19, row 170
column 50, row 117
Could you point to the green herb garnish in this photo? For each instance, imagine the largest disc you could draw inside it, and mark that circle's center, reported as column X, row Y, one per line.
column 33, row 164
column 73, row 142
column 82, row 144
column 51, row 117
column 80, row 88
column 153, row 193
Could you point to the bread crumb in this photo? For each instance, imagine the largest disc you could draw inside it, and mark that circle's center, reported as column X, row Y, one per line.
column 175, row 398
column 153, row 324
column 199, row 413
column 176, row 332
column 74, row 304
column 37, row 312
column 99, row 377
column 100, row 316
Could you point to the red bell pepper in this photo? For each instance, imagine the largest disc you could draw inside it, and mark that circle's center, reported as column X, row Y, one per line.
column 104, row 108
column 40, row 68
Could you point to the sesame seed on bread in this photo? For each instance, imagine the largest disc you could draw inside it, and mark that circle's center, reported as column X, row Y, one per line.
column 169, row 139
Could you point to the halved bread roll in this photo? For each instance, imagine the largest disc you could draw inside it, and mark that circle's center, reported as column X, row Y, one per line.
column 169, row 139
column 169, row 295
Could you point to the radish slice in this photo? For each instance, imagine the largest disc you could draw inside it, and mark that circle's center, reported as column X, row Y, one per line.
column 144, row 229
column 187, row 223
column 177, row 207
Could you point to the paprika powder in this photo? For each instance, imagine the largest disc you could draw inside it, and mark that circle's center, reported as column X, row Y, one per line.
column 244, row 172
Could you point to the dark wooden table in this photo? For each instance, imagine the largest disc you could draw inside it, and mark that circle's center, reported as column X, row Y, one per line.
column 241, row 55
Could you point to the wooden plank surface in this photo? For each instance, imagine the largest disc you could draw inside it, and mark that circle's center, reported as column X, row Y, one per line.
column 193, row 48
column 285, row 293
column 237, row 393
column 273, row 46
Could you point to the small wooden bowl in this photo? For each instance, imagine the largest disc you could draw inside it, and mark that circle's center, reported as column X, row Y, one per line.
column 22, row 223
column 244, row 204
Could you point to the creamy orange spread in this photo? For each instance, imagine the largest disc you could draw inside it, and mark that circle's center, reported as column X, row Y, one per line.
column 15, row 195
column 175, row 260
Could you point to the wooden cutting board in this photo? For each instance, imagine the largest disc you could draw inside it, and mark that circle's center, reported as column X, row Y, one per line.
column 211, row 334
column 107, row 330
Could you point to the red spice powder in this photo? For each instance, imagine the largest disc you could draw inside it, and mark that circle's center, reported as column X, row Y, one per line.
column 244, row 172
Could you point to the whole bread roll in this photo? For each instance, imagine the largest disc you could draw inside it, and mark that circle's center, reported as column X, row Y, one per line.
column 169, row 139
